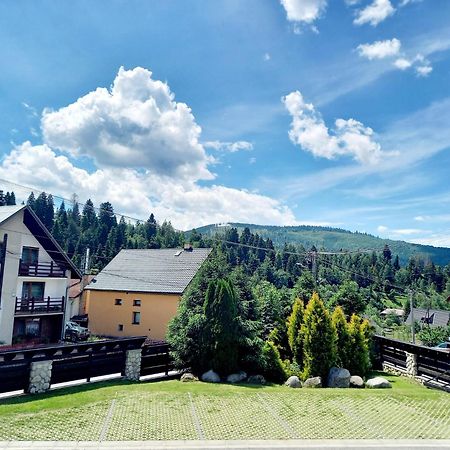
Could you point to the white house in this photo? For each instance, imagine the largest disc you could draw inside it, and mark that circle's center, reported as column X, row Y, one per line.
column 34, row 277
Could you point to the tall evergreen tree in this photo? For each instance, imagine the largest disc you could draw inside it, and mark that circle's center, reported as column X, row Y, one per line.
column 295, row 337
column 343, row 337
column 319, row 340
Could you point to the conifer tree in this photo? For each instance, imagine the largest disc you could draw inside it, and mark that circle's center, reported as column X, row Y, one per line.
column 295, row 337
column 359, row 362
column 343, row 337
column 319, row 340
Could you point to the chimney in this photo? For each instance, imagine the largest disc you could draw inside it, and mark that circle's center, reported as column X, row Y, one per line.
column 187, row 247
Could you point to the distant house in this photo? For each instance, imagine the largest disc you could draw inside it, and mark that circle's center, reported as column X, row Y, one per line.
column 432, row 317
column 393, row 312
column 138, row 292
column 76, row 308
column 34, row 274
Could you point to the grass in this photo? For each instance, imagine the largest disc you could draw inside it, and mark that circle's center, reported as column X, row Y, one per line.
column 175, row 410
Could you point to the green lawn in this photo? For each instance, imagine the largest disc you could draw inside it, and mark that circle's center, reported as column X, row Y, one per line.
column 175, row 410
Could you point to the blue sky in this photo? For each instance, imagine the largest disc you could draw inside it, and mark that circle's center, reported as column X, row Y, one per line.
column 262, row 111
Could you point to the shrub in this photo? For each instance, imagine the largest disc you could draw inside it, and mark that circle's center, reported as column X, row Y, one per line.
column 295, row 339
column 359, row 361
column 343, row 337
column 319, row 340
column 274, row 369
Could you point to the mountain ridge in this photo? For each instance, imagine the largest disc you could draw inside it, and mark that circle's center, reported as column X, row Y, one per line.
column 334, row 239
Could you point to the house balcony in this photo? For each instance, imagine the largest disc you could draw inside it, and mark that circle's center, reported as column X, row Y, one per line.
column 39, row 306
column 41, row 269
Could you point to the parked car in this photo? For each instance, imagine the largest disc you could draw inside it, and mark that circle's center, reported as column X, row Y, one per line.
column 75, row 332
column 443, row 346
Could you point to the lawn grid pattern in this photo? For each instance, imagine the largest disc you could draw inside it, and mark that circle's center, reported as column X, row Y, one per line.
column 143, row 412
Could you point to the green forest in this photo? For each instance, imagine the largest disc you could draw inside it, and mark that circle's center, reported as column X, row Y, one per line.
column 361, row 281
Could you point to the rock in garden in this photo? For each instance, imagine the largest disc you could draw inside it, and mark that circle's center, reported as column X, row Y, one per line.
column 236, row 377
column 293, row 382
column 211, row 377
column 188, row 377
column 378, row 383
column 338, row 378
column 356, row 382
column 256, row 379
column 314, row 382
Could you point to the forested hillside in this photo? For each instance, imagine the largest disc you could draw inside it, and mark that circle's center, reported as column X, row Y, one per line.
column 337, row 239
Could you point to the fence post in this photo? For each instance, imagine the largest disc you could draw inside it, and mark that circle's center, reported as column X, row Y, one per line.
column 133, row 364
column 411, row 364
column 40, row 376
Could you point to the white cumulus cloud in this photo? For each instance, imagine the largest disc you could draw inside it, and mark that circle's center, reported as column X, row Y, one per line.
column 304, row 11
column 137, row 193
column 231, row 147
column 380, row 49
column 135, row 123
column 349, row 137
column 374, row 13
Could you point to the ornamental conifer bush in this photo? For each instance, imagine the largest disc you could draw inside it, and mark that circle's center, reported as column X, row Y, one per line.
column 319, row 340
column 273, row 368
column 359, row 362
column 295, row 337
column 343, row 337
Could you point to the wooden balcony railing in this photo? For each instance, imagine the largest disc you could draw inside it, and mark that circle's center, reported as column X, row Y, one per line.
column 39, row 305
column 40, row 269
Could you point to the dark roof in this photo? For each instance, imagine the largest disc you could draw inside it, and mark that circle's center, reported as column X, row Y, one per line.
column 43, row 236
column 433, row 317
column 166, row 271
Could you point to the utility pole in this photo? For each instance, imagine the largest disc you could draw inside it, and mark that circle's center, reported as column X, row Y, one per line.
column 411, row 306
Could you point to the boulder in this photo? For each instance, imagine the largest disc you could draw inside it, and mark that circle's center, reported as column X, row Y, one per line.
column 186, row 377
column 378, row 383
column 338, row 378
column 236, row 377
column 293, row 382
column 256, row 379
column 211, row 377
column 356, row 382
column 314, row 382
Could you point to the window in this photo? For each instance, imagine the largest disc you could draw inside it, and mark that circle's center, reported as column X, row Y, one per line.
column 33, row 290
column 136, row 303
column 136, row 318
column 120, row 327
column 118, row 301
column 30, row 255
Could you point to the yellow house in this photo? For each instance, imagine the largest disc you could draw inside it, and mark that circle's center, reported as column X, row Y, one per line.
column 137, row 293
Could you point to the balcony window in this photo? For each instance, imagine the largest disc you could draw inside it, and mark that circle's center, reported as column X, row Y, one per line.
column 136, row 318
column 30, row 255
column 33, row 290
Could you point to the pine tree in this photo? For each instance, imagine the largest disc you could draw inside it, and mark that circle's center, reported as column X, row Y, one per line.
column 343, row 337
column 295, row 338
column 31, row 202
column 319, row 340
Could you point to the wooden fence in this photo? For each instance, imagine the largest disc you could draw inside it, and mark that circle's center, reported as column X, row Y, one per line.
column 429, row 365
column 81, row 361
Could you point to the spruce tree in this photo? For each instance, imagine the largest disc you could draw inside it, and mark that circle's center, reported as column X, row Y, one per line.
column 319, row 340
column 295, row 338
column 343, row 337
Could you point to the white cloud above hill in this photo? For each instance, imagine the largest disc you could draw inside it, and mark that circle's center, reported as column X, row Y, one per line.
column 348, row 138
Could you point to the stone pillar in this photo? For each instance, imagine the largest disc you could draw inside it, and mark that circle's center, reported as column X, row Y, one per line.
column 40, row 376
column 133, row 365
column 411, row 364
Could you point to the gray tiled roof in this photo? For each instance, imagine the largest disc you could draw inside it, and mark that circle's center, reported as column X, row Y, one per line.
column 438, row 318
column 155, row 270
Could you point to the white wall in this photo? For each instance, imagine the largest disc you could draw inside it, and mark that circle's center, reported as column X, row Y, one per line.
column 19, row 236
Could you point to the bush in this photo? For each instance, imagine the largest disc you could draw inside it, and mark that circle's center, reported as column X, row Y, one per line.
column 295, row 338
column 319, row 340
column 343, row 337
column 359, row 361
column 273, row 368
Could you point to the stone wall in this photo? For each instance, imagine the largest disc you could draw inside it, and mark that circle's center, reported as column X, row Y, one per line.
column 133, row 365
column 40, row 376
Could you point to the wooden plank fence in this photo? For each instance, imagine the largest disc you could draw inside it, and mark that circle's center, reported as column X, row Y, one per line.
column 81, row 361
column 429, row 365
